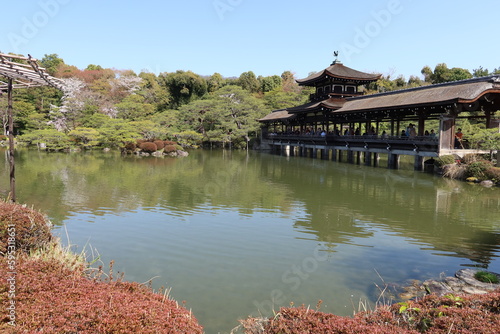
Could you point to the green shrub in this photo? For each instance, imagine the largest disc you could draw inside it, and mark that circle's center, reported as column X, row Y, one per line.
column 478, row 169
column 29, row 228
column 486, row 277
column 159, row 144
column 444, row 160
column 51, row 138
column 470, row 158
column 148, row 147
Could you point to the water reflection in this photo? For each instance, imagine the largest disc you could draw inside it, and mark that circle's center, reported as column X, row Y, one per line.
column 227, row 229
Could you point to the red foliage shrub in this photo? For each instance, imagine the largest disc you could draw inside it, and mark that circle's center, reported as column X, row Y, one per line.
column 148, row 147
column 130, row 146
column 159, row 144
column 50, row 298
column 29, row 229
column 304, row 320
column 169, row 142
column 170, row 148
column 432, row 314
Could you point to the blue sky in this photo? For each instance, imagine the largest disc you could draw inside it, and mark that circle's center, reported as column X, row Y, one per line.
column 264, row 36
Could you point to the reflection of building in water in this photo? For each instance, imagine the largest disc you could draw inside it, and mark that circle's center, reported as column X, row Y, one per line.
column 349, row 204
column 443, row 201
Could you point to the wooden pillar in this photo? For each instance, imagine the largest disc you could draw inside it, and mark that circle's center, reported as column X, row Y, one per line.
column 358, row 157
column 446, row 133
column 324, row 154
column 376, row 159
column 350, row 156
column 419, row 163
column 393, row 161
column 12, row 163
column 292, row 150
column 421, row 125
column 368, row 158
column 334, row 154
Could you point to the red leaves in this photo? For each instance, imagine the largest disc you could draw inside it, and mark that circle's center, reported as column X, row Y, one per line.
column 432, row 314
column 29, row 228
column 50, row 298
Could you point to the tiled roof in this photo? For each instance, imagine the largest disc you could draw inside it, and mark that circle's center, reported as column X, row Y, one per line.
column 465, row 91
column 339, row 71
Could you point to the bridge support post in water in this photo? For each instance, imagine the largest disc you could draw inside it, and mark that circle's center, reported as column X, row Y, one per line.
column 419, row 163
column 393, row 161
column 334, row 154
column 376, row 159
column 368, row 159
column 292, row 150
column 325, row 154
column 350, row 156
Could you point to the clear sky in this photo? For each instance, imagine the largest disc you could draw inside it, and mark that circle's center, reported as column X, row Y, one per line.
column 264, row 36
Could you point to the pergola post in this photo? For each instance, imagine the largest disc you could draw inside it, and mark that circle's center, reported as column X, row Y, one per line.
column 12, row 165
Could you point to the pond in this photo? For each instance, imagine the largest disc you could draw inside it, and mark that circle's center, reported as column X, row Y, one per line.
column 237, row 234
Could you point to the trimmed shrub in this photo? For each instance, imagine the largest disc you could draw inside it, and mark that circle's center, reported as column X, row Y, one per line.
column 159, row 144
column 148, row 147
column 478, row 169
column 170, row 149
column 169, row 142
column 27, row 228
column 51, row 298
column 130, row 146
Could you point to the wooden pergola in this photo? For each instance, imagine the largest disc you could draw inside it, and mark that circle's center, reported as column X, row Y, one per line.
column 20, row 72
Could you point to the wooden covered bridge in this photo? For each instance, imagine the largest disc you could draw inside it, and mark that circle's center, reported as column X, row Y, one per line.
column 341, row 123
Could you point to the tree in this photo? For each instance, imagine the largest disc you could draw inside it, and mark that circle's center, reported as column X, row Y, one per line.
column 85, row 137
column 443, row 74
column 241, row 111
column 133, row 108
column 51, row 63
column 183, row 87
column 278, row 99
column 486, row 139
column 270, row 83
column 117, row 132
column 288, row 82
column 480, row 72
column 51, row 139
column 22, row 111
column 215, row 82
column 248, row 81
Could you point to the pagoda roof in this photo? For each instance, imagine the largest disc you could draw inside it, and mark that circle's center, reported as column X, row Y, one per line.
column 331, row 103
column 280, row 114
column 338, row 71
column 463, row 91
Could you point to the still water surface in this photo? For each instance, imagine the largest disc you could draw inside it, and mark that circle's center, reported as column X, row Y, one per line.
column 237, row 234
